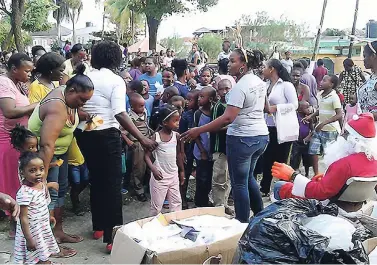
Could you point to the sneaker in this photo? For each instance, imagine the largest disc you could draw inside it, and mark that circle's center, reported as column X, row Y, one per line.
column 124, row 191
column 142, row 197
column 166, row 204
column 229, row 211
column 97, row 235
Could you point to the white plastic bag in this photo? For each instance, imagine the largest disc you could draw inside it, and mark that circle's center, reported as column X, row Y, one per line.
column 286, row 123
column 338, row 229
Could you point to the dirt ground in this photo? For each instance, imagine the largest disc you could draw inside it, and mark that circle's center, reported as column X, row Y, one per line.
column 89, row 251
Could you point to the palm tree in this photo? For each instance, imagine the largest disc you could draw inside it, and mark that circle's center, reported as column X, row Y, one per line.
column 74, row 11
column 353, row 29
column 61, row 14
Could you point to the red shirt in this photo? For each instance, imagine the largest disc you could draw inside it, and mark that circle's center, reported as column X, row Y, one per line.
column 319, row 73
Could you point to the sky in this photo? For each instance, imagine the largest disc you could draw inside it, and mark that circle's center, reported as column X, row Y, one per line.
column 339, row 14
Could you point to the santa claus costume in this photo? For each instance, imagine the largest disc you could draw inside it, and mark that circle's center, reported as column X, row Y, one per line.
column 353, row 155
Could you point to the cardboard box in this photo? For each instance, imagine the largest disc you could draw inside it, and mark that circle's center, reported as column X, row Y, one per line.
column 370, row 244
column 127, row 251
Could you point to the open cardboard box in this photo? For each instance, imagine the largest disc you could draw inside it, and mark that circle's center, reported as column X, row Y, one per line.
column 127, row 251
column 370, row 244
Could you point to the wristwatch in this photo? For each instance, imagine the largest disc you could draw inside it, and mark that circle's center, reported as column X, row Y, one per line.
column 294, row 176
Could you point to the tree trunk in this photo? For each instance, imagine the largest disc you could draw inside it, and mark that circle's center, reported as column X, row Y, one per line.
column 73, row 20
column 58, row 22
column 132, row 26
column 153, row 25
column 319, row 30
column 18, row 7
column 7, row 41
column 103, row 23
column 353, row 29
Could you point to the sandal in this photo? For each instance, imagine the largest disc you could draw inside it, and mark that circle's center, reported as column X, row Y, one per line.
column 65, row 252
column 75, row 239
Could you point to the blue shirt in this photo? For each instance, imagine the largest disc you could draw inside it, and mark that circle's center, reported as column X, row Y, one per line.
column 149, row 105
column 152, row 81
column 182, row 88
column 204, row 137
column 186, row 123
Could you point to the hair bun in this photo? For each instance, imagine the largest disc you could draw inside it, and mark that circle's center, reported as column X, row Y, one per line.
column 80, row 69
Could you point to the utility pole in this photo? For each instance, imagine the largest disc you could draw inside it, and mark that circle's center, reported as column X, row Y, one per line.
column 353, row 29
column 103, row 22
column 319, row 30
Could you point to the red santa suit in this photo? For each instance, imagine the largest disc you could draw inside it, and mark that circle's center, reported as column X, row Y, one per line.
column 355, row 165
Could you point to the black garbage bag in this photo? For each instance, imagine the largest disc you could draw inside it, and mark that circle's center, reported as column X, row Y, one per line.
column 276, row 235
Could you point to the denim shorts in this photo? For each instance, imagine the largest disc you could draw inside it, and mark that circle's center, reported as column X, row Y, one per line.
column 78, row 174
column 59, row 175
column 320, row 140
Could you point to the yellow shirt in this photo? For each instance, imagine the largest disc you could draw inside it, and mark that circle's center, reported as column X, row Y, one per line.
column 37, row 91
column 75, row 157
column 69, row 68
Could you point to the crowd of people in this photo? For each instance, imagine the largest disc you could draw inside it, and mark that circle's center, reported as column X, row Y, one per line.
column 69, row 122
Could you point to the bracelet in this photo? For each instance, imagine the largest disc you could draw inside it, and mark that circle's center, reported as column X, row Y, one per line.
column 294, row 176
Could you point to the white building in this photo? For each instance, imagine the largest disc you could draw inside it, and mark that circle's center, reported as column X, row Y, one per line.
column 46, row 38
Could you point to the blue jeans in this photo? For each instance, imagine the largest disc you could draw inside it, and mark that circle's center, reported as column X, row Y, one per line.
column 242, row 154
column 59, row 175
column 78, row 174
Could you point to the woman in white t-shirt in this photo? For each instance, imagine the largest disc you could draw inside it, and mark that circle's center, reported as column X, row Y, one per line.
column 247, row 135
column 101, row 146
column 280, row 91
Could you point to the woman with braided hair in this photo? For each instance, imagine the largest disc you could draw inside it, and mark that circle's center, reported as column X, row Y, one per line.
column 280, row 91
column 247, row 134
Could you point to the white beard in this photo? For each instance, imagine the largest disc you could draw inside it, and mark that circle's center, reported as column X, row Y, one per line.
column 337, row 150
column 342, row 148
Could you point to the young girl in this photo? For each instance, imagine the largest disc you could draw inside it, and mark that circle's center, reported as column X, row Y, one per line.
column 168, row 164
column 168, row 77
column 34, row 242
column 351, row 108
column 205, row 77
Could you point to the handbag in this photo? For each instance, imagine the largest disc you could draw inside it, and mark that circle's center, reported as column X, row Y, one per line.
column 286, row 122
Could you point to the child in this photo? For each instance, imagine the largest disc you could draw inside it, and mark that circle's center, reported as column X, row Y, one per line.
column 204, row 163
column 178, row 102
column 351, row 108
column 168, row 163
column 330, row 117
column 192, row 84
column 138, row 116
column 78, row 175
column 134, row 86
column 149, row 100
column 34, row 242
column 206, row 75
column 220, row 176
column 300, row 148
column 24, row 140
column 186, row 123
column 168, row 77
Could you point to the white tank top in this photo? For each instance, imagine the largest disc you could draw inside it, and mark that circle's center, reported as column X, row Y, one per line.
column 166, row 156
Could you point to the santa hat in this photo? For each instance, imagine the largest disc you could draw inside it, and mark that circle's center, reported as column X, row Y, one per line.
column 362, row 126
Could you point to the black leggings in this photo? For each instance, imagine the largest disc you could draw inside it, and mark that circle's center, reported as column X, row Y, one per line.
column 274, row 153
column 102, row 151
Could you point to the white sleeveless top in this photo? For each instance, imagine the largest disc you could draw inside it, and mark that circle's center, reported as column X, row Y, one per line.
column 166, row 156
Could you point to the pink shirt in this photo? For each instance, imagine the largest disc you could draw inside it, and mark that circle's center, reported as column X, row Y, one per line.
column 9, row 90
column 350, row 111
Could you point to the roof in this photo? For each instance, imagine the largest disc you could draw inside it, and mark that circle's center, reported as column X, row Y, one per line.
column 202, row 30
column 86, row 30
column 53, row 32
column 144, row 46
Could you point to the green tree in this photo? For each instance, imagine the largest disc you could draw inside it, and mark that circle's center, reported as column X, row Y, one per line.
column 333, row 32
column 74, row 10
column 18, row 11
column 61, row 14
column 5, row 28
column 211, row 44
column 129, row 23
column 155, row 10
column 261, row 30
column 174, row 43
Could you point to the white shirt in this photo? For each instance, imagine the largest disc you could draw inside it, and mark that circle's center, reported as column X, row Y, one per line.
column 249, row 95
column 223, row 55
column 281, row 93
column 167, row 61
column 109, row 97
column 288, row 64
